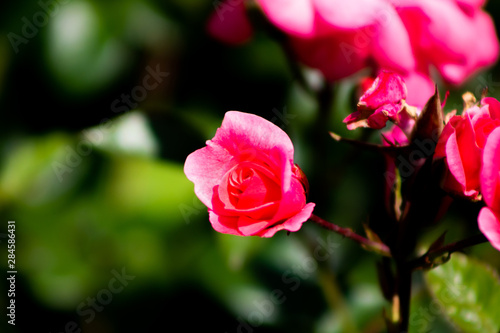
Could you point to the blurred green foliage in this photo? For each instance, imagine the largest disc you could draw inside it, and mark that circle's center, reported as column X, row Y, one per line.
column 95, row 189
column 468, row 292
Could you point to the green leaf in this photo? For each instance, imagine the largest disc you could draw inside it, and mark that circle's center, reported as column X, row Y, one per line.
column 372, row 235
column 468, row 291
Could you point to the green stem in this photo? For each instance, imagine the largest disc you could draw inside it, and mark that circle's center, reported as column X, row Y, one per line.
column 366, row 243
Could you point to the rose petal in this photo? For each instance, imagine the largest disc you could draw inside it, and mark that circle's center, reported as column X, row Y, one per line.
column 394, row 137
column 420, row 88
column 489, row 224
column 355, row 116
column 293, row 218
column 486, row 47
column 471, row 155
column 443, row 34
column 483, row 128
column 292, row 201
column 249, row 134
column 335, row 55
column 490, row 172
column 388, row 88
column 284, row 164
column 229, row 23
column 448, row 130
column 224, row 224
column 249, row 227
column 463, row 155
column 248, row 185
column 493, row 106
column 476, row 113
column 472, row 3
column 205, row 167
column 262, row 212
column 378, row 119
column 391, row 45
column 260, row 190
column 295, row 17
column 292, row 224
column 350, row 14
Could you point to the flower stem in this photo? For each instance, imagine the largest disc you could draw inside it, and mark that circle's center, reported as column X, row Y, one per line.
column 427, row 260
column 366, row 243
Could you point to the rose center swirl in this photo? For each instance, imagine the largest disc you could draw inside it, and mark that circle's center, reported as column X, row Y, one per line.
column 249, row 185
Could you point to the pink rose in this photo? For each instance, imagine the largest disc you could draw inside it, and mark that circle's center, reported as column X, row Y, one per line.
column 247, row 179
column 442, row 33
column 410, row 37
column 489, row 217
column 381, row 102
column 230, row 23
column 462, row 143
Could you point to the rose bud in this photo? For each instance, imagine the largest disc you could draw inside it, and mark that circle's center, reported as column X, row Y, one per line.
column 247, row 179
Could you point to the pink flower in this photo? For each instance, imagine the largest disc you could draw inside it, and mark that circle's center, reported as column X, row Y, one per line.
column 410, row 37
column 247, row 179
column 230, row 23
column 489, row 217
column 443, row 33
column 381, row 102
column 461, row 144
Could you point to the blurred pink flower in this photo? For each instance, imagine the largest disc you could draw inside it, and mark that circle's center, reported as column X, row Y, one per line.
column 229, row 23
column 340, row 38
column 443, row 34
column 489, row 217
column 247, row 179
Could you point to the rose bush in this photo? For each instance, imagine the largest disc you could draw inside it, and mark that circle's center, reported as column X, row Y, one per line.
column 340, row 38
column 489, row 217
column 247, row 179
column 461, row 145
